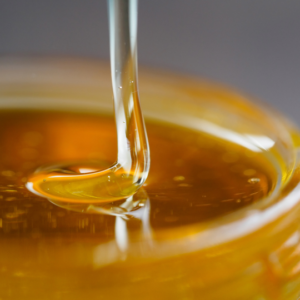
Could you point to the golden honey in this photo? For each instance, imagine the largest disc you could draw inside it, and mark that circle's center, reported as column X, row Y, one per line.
column 194, row 177
column 199, row 228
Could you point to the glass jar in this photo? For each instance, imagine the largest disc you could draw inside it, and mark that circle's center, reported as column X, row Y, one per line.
column 252, row 253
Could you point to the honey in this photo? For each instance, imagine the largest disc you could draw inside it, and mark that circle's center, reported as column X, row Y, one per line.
column 218, row 209
column 122, row 179
column 217, row 217
column 194, row 177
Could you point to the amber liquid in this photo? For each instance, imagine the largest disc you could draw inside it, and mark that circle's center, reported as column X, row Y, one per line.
column 50, row 252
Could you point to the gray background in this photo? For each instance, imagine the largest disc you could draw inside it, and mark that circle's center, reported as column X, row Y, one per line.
column 250, row 44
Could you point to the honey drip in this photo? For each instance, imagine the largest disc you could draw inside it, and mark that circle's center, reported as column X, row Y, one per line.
column 84, row 183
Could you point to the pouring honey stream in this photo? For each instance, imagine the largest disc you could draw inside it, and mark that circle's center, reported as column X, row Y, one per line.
column 82, row 183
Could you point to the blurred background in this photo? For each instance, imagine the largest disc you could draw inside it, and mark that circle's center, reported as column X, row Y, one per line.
column 252, row 45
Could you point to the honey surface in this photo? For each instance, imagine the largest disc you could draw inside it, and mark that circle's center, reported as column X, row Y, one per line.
column 193, row 178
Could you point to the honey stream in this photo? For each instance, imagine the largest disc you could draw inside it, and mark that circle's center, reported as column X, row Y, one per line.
column 81, row 183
